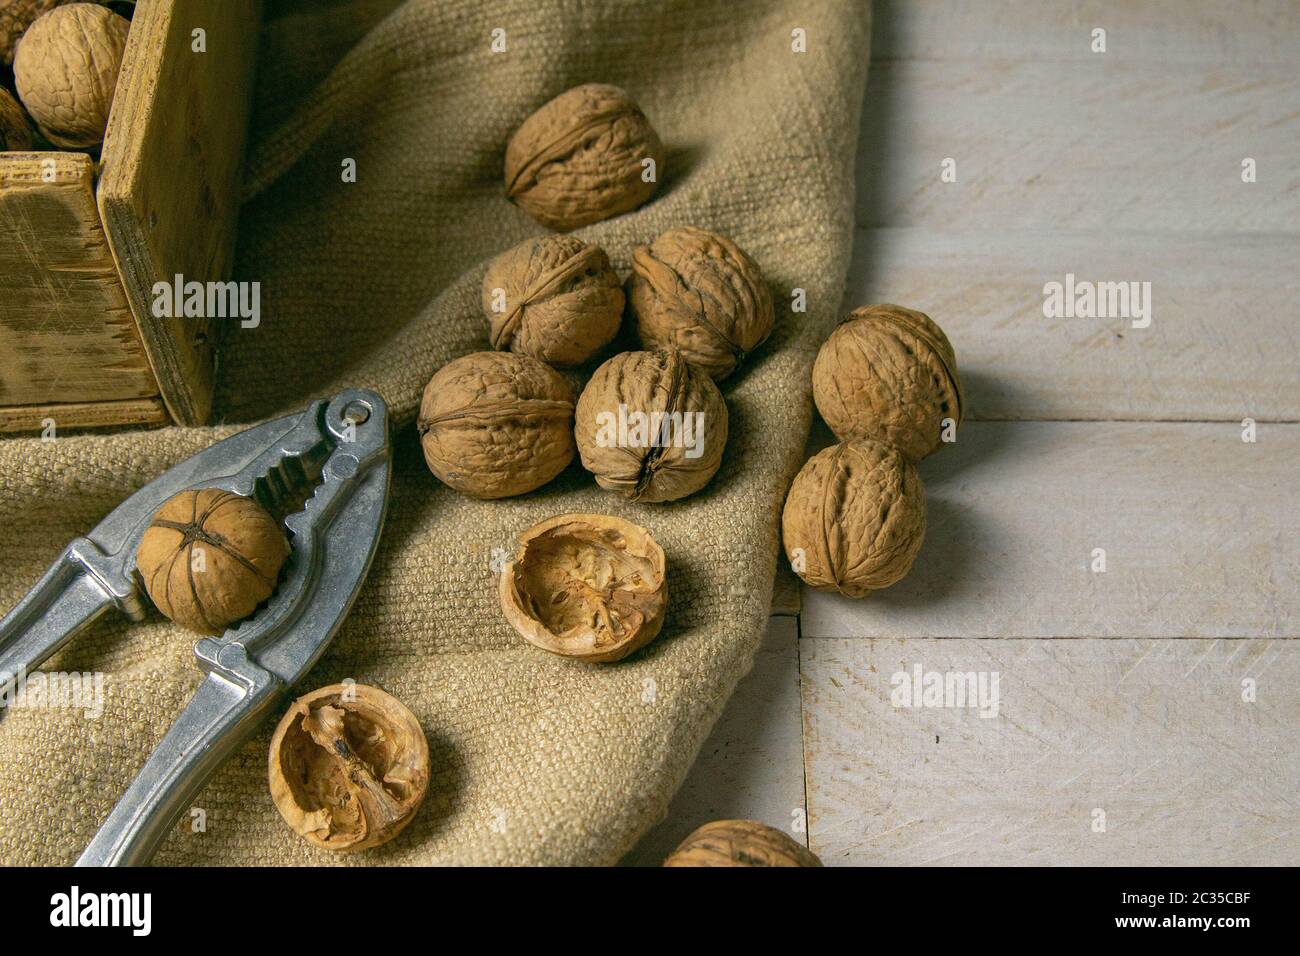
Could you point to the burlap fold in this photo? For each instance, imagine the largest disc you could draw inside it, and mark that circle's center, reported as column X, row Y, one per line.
column 376, row 283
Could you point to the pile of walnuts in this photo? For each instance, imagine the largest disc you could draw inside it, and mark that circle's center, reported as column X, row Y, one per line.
column 65, row 58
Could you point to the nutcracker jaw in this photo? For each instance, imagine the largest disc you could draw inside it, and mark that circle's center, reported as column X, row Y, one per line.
column 334, row 456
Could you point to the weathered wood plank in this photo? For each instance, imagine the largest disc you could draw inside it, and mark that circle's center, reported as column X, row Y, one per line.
column 169, row 193
column 1108, row 145
column 68, row 333
column 67, row 416
column 1154, row 31
column 751, row 767
column 1222, row 343
column 1201, row 533
column 1155, row 740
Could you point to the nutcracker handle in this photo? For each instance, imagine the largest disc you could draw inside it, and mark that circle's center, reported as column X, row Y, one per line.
column 223, row 713
column 80, row 586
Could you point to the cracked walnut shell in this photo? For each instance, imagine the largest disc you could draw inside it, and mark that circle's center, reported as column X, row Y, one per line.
column 854, row 518
column 587, row 586
column 65, row 70
column 650, row 426
column 349, row 766
column 740, row 843
column 700, row 293
column 582, row 158
column 888, row 373
column 555, row 298
column 210, row 557
column 496, row 424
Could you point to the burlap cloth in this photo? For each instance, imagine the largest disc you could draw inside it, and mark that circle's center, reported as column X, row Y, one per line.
column 535, row 759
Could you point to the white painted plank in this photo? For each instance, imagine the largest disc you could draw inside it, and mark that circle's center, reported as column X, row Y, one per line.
column 751, row 767
column 1162, row 31
column 1155, row 735
column 1201, row 532
column 1223, row 341
column 1108, row 145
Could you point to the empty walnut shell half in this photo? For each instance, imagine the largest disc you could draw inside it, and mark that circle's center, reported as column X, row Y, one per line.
column 740, row 843
column 854, row 518
column 349, row 766
column 582, row 158
column 888, row 373
column 699, row 293
column 210, row 557
column 496, row 424
column 588, row 586
column 555, row 298
column 651, row 427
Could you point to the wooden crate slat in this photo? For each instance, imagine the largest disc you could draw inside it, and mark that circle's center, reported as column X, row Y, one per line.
column 141, row 412
column 169, row 191
column 68, row 332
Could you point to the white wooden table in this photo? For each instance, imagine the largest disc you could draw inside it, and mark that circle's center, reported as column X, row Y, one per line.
column 1147, row 713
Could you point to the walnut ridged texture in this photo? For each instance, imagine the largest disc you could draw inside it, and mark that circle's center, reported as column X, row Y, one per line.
column 740, row 843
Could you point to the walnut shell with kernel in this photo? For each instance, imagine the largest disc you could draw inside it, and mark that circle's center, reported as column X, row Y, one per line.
column 555, row 298
column 740, row 843
column 15, row 130
column 496, row 424
column 699, row 293
column 587, row 586
column 349, row 766
column 650, row 426
column 210, row 557
column 854, row 518
column 888, row 373
column 581, row 158
column 65, row 70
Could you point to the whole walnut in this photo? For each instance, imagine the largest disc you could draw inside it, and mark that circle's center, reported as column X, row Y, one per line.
column 349, row 766
column 15, row 17
column 555, row 298
column 587, row 586
column 699, row 293
column 582, row 158
column 740, row 843
column 854, row 518
column 651, row 427
column 496, row 424
column 889, row 373
column 66, row 70
column 209, row 558
column 15, row 130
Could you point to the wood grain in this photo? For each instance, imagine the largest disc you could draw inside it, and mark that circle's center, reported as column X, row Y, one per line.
column 1222, row 343
column 67, row 416
column 1201, row 532
column 69, row 335
column 1156, row 735
column 169, row 192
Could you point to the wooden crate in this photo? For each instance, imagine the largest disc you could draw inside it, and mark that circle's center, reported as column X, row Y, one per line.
column 83, row 244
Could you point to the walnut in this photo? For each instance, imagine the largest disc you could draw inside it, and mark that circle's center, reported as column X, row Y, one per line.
column 349, row 766
column 15, row 17
column 740, row 843
column 582, row 158
column 699, row 293
column 209, row 558
column 496, row 424
column 555, row 298
column 854, row 518
column 889, row 373
column 651, row 427
column 66, row 69
column 15, row 130
column 587, row 586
